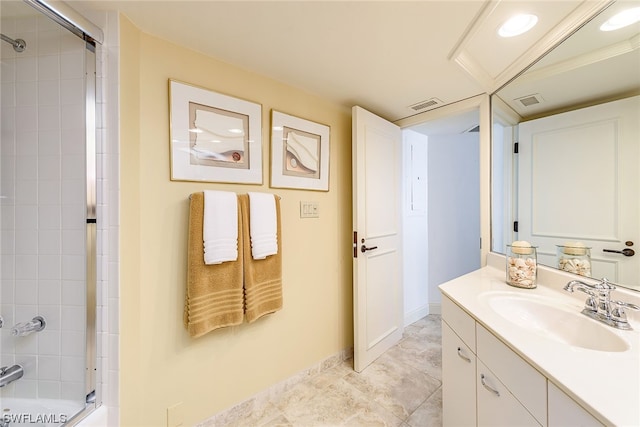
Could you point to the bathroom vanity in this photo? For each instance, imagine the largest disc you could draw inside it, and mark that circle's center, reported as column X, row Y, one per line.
column 514, row 356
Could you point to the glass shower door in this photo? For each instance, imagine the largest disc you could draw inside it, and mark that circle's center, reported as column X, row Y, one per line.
column 43, row 218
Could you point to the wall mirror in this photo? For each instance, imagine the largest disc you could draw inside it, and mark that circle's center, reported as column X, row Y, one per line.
column 573, row 188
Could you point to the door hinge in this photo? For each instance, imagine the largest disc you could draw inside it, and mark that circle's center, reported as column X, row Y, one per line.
column 515, row 226
column 516, row 147
column 355, row 244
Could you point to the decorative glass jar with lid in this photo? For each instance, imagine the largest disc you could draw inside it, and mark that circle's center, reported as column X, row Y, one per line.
column 522, row 265
column 574, row 257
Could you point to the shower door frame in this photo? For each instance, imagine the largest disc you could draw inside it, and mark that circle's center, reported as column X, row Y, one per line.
column 91, row 228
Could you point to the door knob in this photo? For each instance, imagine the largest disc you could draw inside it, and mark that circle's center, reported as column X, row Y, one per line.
column 625, row 251
column 364, row 249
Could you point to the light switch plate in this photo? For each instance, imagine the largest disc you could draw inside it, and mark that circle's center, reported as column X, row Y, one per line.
column 309, row 210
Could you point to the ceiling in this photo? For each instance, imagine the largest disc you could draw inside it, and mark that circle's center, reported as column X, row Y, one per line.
column 589, row 67
column 382, row 55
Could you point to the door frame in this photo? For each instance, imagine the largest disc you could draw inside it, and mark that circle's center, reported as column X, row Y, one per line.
column 503, row 115
column 483, row 104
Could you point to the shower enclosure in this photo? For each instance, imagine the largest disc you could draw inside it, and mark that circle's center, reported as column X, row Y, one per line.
column 47, row 215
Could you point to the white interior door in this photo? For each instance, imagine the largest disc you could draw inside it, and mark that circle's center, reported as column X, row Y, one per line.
column 377, row 261
column 579, row 181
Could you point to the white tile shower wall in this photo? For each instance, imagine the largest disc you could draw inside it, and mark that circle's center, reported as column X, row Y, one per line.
column 111, row 84
column 42, row 208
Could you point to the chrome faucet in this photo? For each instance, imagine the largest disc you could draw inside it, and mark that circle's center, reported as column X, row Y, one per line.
column 600, row 306
column 9, row 374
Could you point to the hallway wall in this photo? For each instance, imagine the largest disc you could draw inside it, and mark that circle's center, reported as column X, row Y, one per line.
column 414, row 227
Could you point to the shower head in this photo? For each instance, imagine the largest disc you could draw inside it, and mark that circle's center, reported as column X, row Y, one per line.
column 19, row 45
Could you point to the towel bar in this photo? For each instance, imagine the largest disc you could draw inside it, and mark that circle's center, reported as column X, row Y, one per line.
column 279, row 198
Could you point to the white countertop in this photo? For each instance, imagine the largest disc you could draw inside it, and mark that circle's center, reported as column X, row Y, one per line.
column 607, row 384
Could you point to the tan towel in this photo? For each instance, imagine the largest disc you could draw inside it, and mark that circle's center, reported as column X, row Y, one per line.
column 214, row 292
column 263, row 277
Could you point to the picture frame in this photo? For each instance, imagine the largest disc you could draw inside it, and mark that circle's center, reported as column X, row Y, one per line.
column 214, row 137
column 299, row 153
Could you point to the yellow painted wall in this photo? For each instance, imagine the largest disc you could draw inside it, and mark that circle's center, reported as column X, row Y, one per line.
column 160, row 364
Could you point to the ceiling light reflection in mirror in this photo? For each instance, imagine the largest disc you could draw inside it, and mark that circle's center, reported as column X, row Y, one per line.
column 518, row 24
column 620, row 20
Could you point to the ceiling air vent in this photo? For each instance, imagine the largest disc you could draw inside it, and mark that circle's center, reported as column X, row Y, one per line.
column 425, row 105
column 529, row 100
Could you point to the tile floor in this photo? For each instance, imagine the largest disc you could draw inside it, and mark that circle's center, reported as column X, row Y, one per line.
column 401, row 388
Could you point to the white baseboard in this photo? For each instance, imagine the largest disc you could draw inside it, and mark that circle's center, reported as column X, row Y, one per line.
column 435, row 308
column 415, row 315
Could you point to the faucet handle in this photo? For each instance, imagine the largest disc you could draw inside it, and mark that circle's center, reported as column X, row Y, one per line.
column 591, row 303
column 618, row 313
column 629, row 305
column 605, row 284
column 25, row 328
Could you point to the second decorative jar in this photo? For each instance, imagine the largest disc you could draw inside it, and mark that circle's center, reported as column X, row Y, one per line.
column 521, row 265
column 574, row 257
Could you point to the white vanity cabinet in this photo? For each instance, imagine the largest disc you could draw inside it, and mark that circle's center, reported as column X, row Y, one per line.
column 564, row 411
column 472, row 392
column 485, row 383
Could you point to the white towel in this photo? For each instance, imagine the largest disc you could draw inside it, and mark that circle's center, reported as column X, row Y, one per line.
column 263, row 225
column 220, row 227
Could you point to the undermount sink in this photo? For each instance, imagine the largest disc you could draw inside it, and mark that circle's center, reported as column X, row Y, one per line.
column 555, row 320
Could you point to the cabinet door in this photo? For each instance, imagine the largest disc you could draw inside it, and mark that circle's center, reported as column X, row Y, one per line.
column 523, row 381
column 496, row 405
column 565, row 412
column 458, row 380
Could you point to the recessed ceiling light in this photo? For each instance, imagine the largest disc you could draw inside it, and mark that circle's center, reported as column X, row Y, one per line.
column 517, row 25
column 236, row 131
column 622, row 19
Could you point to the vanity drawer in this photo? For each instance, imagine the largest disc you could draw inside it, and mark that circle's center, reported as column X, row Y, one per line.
column 461, row 323
column 527, row 384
